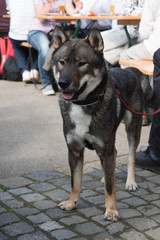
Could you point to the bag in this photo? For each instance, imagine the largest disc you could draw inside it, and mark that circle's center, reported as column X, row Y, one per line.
column 8, row 66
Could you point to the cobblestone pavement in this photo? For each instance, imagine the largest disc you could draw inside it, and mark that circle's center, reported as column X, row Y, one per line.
column 29, row 208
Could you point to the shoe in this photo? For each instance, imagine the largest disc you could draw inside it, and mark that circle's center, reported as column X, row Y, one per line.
column 48, row 90
column 26, row 76
column 34, row 75
column 148, row 160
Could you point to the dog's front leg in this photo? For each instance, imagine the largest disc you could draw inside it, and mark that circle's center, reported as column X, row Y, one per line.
column 76, row 166
column 108, row 166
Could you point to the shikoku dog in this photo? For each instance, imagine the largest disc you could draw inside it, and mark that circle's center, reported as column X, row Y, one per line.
column 91, row 111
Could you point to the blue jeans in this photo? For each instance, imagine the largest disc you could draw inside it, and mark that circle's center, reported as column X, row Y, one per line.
column 23, row 57
column 40, row 41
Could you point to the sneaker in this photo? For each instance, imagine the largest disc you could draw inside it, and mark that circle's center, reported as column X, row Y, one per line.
column 34, row 75
column 26, row 76
column 48, row 90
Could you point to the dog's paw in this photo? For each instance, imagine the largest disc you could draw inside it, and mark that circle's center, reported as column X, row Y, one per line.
column 111, row 215
column 131, row 186
column 67, row 205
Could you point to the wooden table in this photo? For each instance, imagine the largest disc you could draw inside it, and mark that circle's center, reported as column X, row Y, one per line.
column 122, row 20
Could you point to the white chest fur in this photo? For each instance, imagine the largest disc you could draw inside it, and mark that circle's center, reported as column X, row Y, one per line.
column 81, row 120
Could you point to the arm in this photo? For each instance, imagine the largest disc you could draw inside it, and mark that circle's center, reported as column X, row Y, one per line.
column 70, row 8
column 41, row 8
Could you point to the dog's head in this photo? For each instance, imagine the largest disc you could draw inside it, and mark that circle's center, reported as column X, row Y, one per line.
column 80, row 64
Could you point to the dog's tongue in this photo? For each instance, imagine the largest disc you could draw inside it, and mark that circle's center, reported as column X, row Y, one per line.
column 67, row 96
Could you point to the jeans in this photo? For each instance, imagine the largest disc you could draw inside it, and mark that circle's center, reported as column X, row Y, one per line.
column 22, row 56
column 40, row 41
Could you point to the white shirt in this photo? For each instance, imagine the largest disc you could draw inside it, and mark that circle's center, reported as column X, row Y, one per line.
column 150, row 25
column 22, row 13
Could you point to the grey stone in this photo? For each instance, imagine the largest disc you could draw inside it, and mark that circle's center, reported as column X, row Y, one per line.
column 62, row 181
column 5, row 196
column 14, row 203
column 2, row 209
column 32, row 197
column 8, row 218
column 43, row 186
column 91, row 211
column 39, row 218
column 156, row 189
column 88, row 228
column 105, row 235
column 154, row 179
column 157, row 203
column 149, row 210
column 142, row 223
column 17, row 229
column 88, row 193
column 115, row 228
column 133, row 235
column 57, row 195
column 33, row 236
column 128, row 213
column 93, row 184
column 134, row 201
column 140, row 192
column 156, row 218
column 3, row 237
column 50, row 226
column 72, row 220
column 19, row 191
column 122, row 195
column 146, row 184
column 100, row 219
column 45, row 204
column 25, row 211
column 58, row 213
column 96, row 199
column 154, row 233
column 45, row 175
column 144, row 173
column 15, row 182
column 63, row 234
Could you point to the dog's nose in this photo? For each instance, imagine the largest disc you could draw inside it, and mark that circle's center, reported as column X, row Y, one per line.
column 63, row 83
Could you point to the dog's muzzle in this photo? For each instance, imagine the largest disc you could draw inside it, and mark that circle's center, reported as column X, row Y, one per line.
column 63, row 83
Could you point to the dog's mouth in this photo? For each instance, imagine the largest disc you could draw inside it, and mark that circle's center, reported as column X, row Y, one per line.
column 68, row 95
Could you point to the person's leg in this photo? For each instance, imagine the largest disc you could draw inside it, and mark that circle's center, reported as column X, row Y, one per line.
column 21, row 55
column 40, row 41
column 137, row 51
column 150, row 159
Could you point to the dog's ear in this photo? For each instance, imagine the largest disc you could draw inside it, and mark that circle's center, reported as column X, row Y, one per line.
column 95, row 39
column 59, row 37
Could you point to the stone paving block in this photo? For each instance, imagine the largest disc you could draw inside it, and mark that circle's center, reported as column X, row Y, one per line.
column 122, row 194
column 18, row 191
column 91, row 211
column 86, row 178
column 140, row 192
column 157, row 203
column 45, row 175
column 88, row 193
column 133, row 235
column 142, row 224
column 73, row 220
column 156, row 218
column 39, row 218
column 105, row 235
column 25, row 211
column 17, row 229
column 81, row 204
column 2, row 210
column 66, row 187
column 61, row 181
column 50, row 226
column 88, row 228
column 129, row 213
column 33, row 236
column 43, row 186
column 146, row 185
column 145, row 173
column 79, row 238
column 156, row 189
column 14, row 182
column 149, row 210
column 45, row 204
column 151, row 197
column 96, row 199
column 8, row 218
column 3, row 237
column 14, row 203
column 5, row 196
column 134, row 201
column 32, row 197
column 154, row 233
column 154, row 179
column 58, row 213
column 96, row 174
column 121, row 205
column 100, row 219
column 93, row 184
column 115, row 227
column 63, row 234
column 57, row 195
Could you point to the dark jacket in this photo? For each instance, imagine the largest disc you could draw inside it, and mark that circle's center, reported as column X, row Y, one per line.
column 4, row 22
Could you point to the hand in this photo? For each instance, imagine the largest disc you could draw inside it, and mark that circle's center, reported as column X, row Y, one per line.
column 79, row 6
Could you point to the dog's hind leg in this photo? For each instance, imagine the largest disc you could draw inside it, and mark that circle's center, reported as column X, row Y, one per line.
column 133, row 129
column 108, row 166
column 76, row 166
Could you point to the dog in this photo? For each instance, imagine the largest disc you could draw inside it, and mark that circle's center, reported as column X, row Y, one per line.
column 91, row 110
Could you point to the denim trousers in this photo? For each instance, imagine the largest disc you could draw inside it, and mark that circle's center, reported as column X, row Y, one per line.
column 40, row 41
column 23, row 57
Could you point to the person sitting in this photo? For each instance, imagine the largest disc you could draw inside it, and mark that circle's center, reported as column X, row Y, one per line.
column 21, row 15
column 150, row 159
column 4, row 22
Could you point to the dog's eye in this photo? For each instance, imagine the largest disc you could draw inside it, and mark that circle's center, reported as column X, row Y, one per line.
column 62, row 62
column 81, row 64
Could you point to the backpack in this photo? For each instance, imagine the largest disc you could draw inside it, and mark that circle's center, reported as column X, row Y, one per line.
column 8, row 66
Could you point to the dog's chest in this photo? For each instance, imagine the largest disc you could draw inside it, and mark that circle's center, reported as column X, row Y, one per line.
column 81, row 120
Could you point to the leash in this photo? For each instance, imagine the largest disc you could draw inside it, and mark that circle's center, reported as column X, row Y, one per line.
column 131, row 110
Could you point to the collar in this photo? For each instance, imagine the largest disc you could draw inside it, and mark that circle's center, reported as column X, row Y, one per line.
column 91, row 101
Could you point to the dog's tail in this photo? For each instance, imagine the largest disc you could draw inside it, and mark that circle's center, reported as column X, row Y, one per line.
column 146, row 88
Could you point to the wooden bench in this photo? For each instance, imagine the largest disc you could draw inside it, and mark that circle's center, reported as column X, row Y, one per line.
column 145, row 66
column 26, row 44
